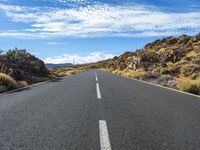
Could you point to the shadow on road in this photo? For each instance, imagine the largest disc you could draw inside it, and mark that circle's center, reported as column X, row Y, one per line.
column 19, row 90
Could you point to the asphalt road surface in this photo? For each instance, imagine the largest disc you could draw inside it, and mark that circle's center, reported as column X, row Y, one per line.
column 96, row 110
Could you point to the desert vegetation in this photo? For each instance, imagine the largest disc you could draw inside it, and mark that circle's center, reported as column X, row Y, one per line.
column 66, row 71
column 7, row 83
column 172, row 62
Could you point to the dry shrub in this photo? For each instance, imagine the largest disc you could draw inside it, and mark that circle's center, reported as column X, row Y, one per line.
column 7, row 82
column 191, row 55
column 141, row 75
column 188, row 85
column 22, row 84
column 195, row 76
column 189, row 69
column 170, row 65
column 117, row 72
column 61, row 72
column 167, row 81
column 159, row 71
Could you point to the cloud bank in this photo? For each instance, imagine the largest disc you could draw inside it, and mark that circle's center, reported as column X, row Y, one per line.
column 99, row 20
column 91, row 57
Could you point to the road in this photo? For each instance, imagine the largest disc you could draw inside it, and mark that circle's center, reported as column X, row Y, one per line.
column 96, row 110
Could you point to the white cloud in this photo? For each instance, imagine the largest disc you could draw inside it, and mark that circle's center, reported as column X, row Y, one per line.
column 10, row 8
column 66, row 1
column 24, row 35
column 101, row 20
column 67, row 58
column 56, row 43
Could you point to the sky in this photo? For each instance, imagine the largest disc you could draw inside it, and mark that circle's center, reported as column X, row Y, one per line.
column 58, row 31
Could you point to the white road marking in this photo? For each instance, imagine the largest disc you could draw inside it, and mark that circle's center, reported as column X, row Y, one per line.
column 98, row 91
column 104, row 137
column 96, row 76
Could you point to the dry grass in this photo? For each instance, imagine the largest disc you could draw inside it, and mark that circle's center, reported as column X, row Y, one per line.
column 188, row 69
column 188, row 85
column 117, row 72
column 141, row 75
column 7, row 83
column 61, row 71
column 22, row 84
column 105, row 69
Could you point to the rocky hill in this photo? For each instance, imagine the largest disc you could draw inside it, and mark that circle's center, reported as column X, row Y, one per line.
column 22, row 67
column 171, row 61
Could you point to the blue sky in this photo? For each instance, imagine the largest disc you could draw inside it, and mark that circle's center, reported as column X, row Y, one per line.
column 59, row 31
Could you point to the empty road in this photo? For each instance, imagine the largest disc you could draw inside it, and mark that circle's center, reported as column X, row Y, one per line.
column 96, row 110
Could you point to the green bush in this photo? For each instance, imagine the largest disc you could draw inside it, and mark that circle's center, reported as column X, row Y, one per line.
column 10, row 53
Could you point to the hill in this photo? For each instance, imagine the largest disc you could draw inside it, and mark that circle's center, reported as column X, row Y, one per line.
column 19, row 68
column 49, row 65
column 173, row 62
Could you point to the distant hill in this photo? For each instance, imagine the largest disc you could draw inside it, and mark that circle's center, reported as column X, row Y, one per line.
column 48, row 65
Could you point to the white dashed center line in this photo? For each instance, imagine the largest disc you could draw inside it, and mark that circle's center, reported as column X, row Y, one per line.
column 96, row 76
column 104, row 138
column 98, row 91
column 103, row 129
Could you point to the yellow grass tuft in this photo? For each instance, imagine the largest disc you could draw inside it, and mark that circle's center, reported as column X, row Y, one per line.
column 22, row 84
column 7, row 82
column 188, row 85
column 141, row 75
column 62, row 71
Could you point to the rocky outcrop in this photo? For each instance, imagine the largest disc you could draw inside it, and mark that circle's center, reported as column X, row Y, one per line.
column 135, row 63
column 23, row 66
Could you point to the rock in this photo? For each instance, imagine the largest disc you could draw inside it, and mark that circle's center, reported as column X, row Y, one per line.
column 135, row 64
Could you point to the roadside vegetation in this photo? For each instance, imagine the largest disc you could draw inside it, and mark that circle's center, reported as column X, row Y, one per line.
column 7, row 83
column 171, row 62
column 67, row 71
